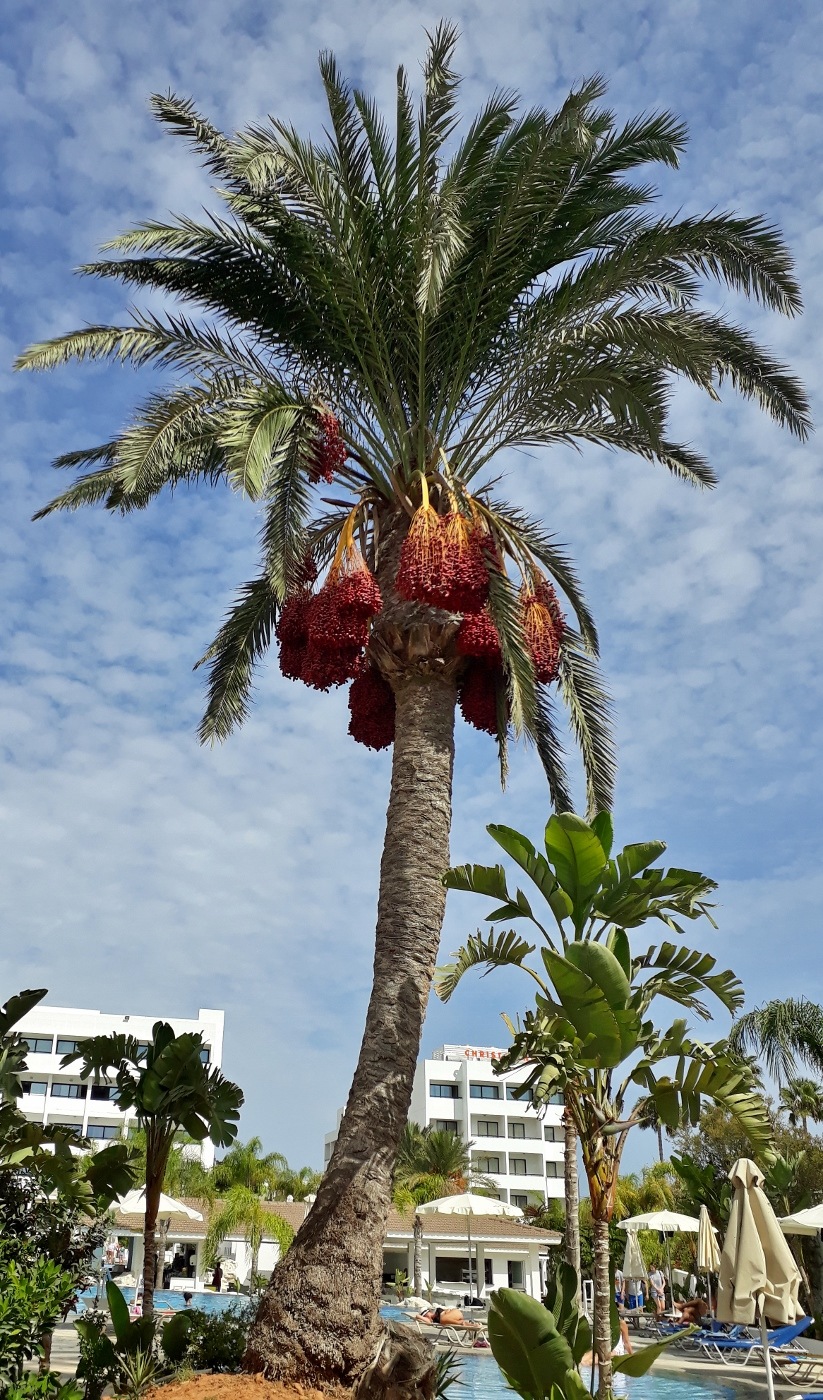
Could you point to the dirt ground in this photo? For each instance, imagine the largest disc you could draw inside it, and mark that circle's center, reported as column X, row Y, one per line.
column 234, row 1388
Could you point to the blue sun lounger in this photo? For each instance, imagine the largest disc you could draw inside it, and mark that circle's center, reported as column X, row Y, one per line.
column 739, row 1349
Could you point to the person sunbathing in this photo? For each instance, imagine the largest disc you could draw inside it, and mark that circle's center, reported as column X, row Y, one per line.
column 446, row 1317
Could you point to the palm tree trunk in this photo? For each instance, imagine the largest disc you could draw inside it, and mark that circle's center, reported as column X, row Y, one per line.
column 572, row 1195
column 418, row 1256
column 660, row 1142
column 602, row 1336
column 158, row 1146
column 318, row 1320
column 162, row 1237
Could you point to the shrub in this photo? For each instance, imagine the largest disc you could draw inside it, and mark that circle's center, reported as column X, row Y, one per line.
column 217, row 1340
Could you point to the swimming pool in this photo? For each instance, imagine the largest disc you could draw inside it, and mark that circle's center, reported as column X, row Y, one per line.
column 166, row 1298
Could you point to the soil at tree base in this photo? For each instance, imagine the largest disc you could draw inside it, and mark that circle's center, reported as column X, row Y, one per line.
column 240, row 1388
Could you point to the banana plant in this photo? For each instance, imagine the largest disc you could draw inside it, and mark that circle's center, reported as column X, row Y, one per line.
column 592, row 1034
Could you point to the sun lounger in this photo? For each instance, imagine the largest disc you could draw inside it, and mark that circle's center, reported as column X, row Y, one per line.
column 739, row 1350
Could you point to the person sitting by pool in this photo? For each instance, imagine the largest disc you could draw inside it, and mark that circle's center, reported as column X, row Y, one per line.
column 622, row 1347
column 692, row 1312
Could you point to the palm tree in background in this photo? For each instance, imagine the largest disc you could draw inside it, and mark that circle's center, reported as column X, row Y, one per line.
column 371, row 322
column 648, row 1117
column 246, row 1165
column 801, row 1100
column 783, row 1034
column 243, row 1211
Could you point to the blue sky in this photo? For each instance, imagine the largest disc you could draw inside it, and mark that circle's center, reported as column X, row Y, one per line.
column 141, row 873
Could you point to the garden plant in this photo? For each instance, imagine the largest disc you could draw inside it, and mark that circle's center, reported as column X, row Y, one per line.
column 594, row 1033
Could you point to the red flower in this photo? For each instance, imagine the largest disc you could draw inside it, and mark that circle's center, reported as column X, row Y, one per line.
column 372, row 707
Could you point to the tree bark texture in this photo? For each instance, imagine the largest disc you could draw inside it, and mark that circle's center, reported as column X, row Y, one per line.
column 162, row 1238
column 572, row 1195
column 418, row 1256
column 602, row 1331
column 318, row 1321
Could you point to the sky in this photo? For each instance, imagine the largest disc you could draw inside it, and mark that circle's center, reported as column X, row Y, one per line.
column 141, row 873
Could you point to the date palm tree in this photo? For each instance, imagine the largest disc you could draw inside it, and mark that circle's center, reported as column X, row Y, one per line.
column 394, row 312
column 171, row 1089
column 783, row 1033
column 801, row 1100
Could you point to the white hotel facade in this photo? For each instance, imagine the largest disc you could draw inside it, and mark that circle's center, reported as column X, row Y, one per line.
column 522, row 1152
column 56, row 1095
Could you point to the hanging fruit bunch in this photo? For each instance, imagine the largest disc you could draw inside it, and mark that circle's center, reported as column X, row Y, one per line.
column 543, row 628
column 443, row 560
column 372, row 709
column 328, row 450
column 323, row 635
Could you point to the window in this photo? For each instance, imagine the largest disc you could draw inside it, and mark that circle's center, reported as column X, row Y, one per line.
column 39, row 1044
column 517, row 1130
column 515, row 1273
column 488, row 1164
column 553, row 1133
column 68, row 1091
column 103, row 1130
column 517, row 1092
column 484, row 1091
column 517, row 1166
column 67, row 1047
column 444, row 1125
column 554, row 1169
column 102, row 1092
column 33, row 1086
column 557, row 1099
column 486, row 1127
column 142, row 1048
column 205, row 1054
column 521, row 1201
column 443, row 1091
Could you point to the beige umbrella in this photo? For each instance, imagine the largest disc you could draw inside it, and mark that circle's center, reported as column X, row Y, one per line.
column 708, row 1255
column 633, row 1265
column 803, row 1222
column 758, row 1276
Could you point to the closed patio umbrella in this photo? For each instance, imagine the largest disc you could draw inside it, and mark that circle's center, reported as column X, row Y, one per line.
column 633, row 1265
column 759, row 1279
column 708, row 1254
column 468, row 1204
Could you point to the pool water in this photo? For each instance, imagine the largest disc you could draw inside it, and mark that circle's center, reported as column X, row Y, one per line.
column 168, row 1298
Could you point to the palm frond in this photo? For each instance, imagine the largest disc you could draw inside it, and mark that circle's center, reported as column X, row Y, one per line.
column 243, row 638
column 590, row 713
